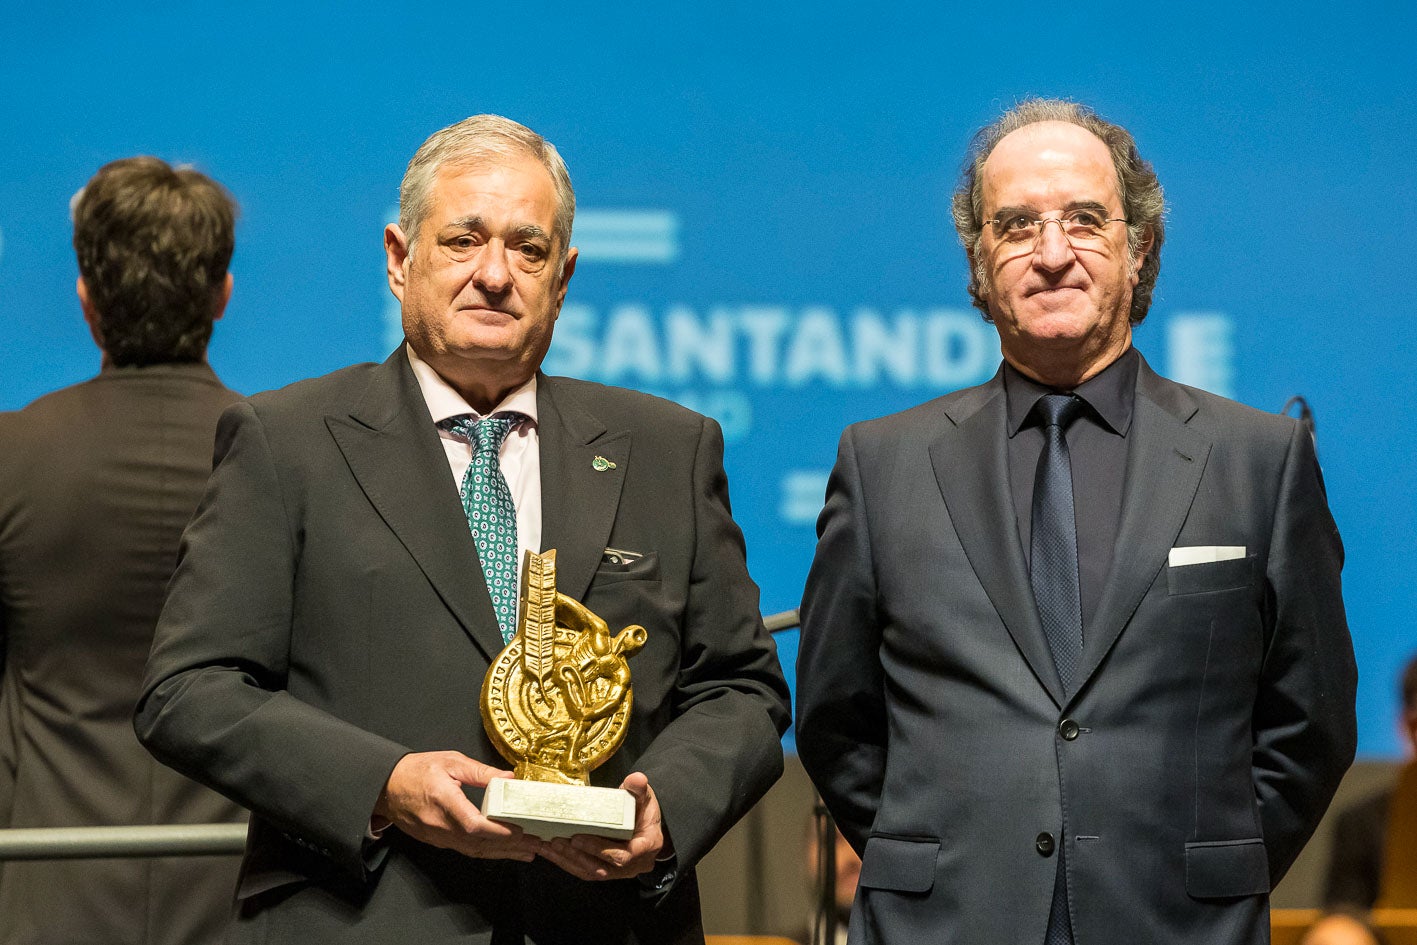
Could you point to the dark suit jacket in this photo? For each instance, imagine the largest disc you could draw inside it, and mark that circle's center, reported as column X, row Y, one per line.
column 96, row 484
column 329, row 615
column 1212, row 722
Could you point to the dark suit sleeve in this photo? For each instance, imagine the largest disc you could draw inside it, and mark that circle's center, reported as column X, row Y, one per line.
column 722, row 751
column 1304, row 722
column 213, row 704
column 841, row 719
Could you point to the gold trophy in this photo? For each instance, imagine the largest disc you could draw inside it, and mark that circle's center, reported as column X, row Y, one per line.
column 556, row 704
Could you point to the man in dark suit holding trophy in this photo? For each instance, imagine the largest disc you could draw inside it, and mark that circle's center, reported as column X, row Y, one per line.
column 352, row 574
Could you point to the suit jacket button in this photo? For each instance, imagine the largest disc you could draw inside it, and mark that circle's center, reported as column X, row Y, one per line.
column 1044, row 844
column 1068, row 729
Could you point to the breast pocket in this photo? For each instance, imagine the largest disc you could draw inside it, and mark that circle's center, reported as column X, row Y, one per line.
column 617, row 566
column 1212, row 576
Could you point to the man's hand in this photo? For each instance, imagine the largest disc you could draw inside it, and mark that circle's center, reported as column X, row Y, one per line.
column 596, row 858
column 424, row 799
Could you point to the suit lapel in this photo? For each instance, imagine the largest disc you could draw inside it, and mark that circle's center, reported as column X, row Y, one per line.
column 393, row 450
column 971, row 466
column 1165, row 460
column 583, row 466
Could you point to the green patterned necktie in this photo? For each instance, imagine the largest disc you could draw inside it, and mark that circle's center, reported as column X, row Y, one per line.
column 491, row 514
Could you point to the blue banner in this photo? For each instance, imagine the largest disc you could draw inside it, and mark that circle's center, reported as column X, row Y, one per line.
column 764, row 225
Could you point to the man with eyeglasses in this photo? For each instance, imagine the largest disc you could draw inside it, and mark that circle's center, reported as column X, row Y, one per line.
column 1074, row 663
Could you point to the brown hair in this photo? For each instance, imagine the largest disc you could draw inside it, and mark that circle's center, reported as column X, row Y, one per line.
column 153, row 244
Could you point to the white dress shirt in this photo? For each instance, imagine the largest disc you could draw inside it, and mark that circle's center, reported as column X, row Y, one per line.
column 520, row 456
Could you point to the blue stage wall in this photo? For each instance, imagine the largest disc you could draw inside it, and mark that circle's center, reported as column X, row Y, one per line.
column 764, row 226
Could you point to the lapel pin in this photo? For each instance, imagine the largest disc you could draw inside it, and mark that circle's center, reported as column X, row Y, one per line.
column 600, row 464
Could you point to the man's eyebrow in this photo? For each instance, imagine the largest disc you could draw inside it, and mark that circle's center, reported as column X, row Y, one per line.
column 532, row 231
column 476, row 222
column 465, row 223
column 1030, row 211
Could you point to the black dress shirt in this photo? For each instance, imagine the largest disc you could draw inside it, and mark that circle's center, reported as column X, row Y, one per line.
column 1097, row 447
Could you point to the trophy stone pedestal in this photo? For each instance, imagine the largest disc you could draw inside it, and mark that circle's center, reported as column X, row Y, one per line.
column 560, row 810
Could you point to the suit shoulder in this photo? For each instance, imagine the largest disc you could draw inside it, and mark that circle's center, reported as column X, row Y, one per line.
column 622, row 406
column 926, row 418
column 315, row 397
column 185, row 390
column 46, row 421
column 1227, row 419
column 55, row 401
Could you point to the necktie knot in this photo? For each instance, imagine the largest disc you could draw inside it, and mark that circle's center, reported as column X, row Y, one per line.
column 485, row 435
column 1058, row 410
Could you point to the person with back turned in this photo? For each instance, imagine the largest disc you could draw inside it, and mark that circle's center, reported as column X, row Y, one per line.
column 1074, row 663
column 96, row 483
column 352, row 574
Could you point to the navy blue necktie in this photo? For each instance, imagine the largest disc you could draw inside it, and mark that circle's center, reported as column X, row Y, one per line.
column 1054, row 561
column 1057, row 588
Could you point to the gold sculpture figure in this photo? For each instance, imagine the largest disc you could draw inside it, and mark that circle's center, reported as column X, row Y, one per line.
column 556, row 702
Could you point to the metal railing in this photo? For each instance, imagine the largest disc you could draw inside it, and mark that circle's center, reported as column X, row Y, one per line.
column 154, row 840
column 85, row 843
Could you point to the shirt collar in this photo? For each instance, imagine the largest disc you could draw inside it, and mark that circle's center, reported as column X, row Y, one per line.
column 443, row 401
column 1111, row 393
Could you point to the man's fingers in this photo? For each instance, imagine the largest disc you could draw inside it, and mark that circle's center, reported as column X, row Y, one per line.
column 637, row 784
column 464, row 815
column 646, row 804
column 473, row 773
column 424, row 798
column 564, row 854
column 600, row 849
column 519, row 846
column 607, row 851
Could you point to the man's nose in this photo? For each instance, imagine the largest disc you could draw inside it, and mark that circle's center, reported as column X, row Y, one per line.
column 1053, row 252
column 492, row 274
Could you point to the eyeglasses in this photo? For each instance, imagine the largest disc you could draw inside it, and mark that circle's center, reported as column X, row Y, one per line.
column 1080, row 227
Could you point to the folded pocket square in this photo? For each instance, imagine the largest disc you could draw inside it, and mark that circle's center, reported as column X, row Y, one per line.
column 616, row 564
column 619, row 558
column 1204, row 554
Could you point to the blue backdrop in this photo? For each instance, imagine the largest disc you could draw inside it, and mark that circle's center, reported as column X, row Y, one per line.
column 764, row 225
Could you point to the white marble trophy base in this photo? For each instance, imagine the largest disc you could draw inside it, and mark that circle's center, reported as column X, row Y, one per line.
column 548, row 810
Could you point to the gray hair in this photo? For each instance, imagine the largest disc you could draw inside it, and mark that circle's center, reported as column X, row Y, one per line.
column 482, row 139
column 1143, row 203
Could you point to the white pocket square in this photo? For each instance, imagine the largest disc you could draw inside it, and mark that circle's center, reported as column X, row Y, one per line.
column 1204, row 554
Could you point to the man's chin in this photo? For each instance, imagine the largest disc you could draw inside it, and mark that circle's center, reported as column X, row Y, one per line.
column 1060, row 329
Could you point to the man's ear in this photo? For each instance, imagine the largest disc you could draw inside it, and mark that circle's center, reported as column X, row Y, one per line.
column 396, row 253
column 91, row 316
column 225, row 298
column 568, row 269
column 1139, row 257
column 971, row 259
